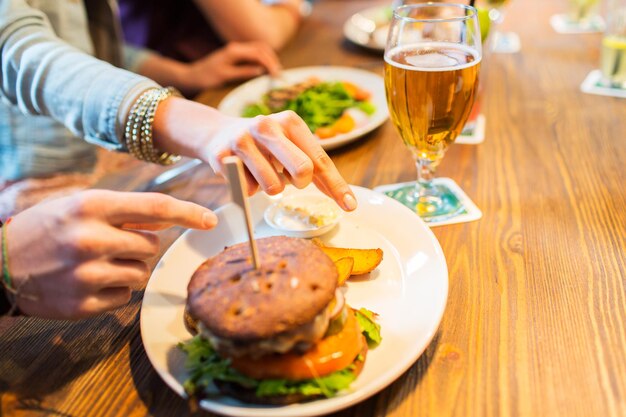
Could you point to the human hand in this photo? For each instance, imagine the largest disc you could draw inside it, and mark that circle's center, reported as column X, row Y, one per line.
column 76, row 256
column 275, row 149
column 236, row 61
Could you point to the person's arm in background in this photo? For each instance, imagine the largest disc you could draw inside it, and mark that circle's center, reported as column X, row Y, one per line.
column 233, row 62
column 248, row 20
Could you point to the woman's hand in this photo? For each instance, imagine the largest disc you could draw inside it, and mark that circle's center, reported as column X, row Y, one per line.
column 234, row 62
column 81, row 255
column 275, row 148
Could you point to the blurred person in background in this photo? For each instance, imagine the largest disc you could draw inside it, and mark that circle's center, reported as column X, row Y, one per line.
column 189, row 29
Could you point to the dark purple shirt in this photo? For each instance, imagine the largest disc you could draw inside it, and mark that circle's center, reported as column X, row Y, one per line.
column 174, row 28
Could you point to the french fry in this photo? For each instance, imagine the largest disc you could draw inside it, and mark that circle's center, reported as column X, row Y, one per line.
column 365, row 260
column 344, row 268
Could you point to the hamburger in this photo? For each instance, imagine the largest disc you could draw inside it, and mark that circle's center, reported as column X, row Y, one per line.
column 278, row 334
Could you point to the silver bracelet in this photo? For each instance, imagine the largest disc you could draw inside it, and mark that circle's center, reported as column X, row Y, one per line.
column 138, row 130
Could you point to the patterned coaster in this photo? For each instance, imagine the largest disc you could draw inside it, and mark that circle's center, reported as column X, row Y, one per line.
column 506, row 43
column 473, row 133
column 468, row 213
column 593, row 85
column 562, row 24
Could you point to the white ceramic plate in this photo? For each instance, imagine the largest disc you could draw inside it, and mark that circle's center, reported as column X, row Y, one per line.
column 408, row 290
column 252, row 91
column 368, row 28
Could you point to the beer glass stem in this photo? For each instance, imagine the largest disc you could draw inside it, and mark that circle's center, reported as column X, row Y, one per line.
column 428, row 196
column 425, row 172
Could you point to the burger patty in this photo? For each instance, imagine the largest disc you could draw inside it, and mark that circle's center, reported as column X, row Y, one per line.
column 286, row 296
column 299, row 339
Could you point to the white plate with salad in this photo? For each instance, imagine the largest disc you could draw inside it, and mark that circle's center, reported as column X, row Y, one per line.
column 339, row 104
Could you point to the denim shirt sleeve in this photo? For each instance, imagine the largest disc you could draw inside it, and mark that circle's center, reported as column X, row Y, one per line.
column 42, row 75
column 135, row 56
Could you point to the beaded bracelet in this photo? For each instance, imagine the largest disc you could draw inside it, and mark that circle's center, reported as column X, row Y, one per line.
column 138, row 130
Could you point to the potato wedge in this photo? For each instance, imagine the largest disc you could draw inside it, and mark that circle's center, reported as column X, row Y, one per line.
column 365, row 260
column 344, row 268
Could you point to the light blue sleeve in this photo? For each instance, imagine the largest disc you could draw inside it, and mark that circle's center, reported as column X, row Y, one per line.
column 135, row 56
column 42, row 75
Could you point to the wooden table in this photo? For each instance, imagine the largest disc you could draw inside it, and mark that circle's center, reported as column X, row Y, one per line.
column 536, row 317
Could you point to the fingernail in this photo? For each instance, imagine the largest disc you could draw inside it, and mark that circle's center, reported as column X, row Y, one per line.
column 349, row 203
column 209, row 219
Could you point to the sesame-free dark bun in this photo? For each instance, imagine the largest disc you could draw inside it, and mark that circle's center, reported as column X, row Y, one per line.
column 295, row 283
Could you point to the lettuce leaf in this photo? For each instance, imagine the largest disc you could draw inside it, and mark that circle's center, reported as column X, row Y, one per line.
column 327, row 385
column 370, row 328
column 205, row 365
column 256, row 109
column 366, row 107
column 319, row 106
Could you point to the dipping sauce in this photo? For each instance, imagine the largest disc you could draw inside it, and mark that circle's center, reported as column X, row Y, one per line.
column 303, row 215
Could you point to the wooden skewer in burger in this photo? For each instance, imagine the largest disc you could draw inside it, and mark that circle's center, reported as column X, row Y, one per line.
column 273, row 332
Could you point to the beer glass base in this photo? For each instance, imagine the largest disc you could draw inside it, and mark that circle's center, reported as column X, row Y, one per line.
column 441, row 205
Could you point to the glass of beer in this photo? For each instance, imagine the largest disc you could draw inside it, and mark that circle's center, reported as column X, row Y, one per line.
column 432, row 60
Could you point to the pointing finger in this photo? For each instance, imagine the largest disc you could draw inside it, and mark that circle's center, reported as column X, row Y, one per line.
column 119, row 208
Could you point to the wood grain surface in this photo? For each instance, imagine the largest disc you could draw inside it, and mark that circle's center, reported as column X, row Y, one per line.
column 536, row 318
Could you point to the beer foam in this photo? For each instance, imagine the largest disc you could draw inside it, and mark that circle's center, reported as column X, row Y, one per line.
column 432, row 60
column 429, row 59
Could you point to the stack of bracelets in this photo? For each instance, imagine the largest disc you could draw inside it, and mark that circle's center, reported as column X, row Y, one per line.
column 138, row 131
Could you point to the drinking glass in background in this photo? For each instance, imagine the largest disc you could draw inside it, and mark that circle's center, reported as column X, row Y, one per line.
column 432, row 61
column 499, row 42
column 613, row 56
column 581, row 11
column 496, row 10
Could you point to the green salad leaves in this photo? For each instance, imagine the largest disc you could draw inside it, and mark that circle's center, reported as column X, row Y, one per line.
column 370, row 328
column 320, row 105
column 205, row 365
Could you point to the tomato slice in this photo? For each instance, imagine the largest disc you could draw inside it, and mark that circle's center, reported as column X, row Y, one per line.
column 331, row 354
column 355, row 91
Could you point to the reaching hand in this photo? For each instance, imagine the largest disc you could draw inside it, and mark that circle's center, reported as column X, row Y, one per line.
column 275, row 147
column 234, row 62
column 78, row 256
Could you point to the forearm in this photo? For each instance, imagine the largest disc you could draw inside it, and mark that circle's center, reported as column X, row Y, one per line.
column 185, row 127
column 42, row 75
column 166, row 71
column 250, row 20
